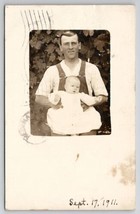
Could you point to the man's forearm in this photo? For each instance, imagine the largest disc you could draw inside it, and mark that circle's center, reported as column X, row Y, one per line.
column 93, row 100
column 43, row 100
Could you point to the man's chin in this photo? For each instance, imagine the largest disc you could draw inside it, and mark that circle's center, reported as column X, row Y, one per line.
column 71, row 57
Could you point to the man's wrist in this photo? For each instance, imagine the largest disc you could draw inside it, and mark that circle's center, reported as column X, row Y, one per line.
column 100, row 99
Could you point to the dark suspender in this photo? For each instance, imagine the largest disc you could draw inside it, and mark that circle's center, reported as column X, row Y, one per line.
column 62, row 77
column 83, row 83
column 81, row 76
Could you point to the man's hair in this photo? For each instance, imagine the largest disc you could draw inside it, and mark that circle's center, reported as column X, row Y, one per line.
column 68, row 33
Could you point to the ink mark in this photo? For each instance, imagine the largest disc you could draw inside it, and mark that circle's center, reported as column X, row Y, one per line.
column 77, row 157
column 24, row 28
column 31, row 18
column 27, row 20
column 49, row 19
column 44, row 19
column 40, row 20
column 36, row 20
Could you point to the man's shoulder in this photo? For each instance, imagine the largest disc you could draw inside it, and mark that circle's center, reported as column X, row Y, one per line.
column 55, row 65
column 89, row 64
column 90, row 67
column 52, row 68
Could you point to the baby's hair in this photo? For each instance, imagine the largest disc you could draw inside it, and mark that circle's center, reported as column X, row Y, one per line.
column 72, row 78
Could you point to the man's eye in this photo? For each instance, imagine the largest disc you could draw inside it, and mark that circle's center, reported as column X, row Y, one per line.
column 65, row 44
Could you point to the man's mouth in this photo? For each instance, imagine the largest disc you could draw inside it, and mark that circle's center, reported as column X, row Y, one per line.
column 71, row 52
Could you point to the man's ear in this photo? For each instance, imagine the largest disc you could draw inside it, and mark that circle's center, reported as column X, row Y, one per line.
column 65, row 86
column 79, row 45
column 60, row 48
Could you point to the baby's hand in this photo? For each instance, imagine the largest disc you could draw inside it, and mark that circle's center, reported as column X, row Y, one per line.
column 57, row 101
column 58, row 105
column 56, row 98
column 84, row 106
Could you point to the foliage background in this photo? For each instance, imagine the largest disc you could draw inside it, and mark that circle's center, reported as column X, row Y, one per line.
column 44, row 52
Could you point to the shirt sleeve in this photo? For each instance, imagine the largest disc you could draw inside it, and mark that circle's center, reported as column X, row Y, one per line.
column 46, row 84
column 97, row 84
column 87, row 99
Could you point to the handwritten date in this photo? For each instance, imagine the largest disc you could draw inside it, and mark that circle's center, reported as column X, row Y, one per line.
column 95, row 203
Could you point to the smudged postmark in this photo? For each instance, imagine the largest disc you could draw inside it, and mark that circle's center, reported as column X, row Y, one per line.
column 24, row 131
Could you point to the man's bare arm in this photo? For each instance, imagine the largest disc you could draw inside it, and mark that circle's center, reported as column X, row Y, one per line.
column 94, row 101
column 44, row 101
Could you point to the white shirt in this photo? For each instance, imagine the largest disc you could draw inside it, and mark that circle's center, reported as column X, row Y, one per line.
column 50, row 80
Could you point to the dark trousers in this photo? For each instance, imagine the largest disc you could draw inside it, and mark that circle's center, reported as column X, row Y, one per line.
column 93, row 132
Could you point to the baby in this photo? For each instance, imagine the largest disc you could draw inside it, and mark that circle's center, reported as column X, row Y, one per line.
column 71, row 119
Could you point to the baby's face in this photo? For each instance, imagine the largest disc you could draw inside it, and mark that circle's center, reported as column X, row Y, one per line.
column 72, row 86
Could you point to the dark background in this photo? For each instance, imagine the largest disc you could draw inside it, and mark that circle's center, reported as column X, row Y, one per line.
column 44, row 52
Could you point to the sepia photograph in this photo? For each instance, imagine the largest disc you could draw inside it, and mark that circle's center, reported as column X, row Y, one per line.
column 70, row 82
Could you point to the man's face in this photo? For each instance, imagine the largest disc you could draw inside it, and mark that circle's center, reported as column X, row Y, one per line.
column 70, row 46
column 72, row 86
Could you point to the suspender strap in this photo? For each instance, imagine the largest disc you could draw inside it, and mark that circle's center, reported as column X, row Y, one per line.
column 83, row 83
column 62, row 77
column 82, row 68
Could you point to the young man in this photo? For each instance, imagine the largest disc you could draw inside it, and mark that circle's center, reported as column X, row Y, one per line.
column 72, row 65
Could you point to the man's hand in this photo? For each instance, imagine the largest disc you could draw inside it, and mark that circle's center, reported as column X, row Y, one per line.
column 58, row 105
column 100, row 99
column 84, row 106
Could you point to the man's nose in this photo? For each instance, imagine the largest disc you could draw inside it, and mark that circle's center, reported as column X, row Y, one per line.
column 70, row 45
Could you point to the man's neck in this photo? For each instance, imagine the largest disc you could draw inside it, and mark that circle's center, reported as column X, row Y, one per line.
column 71, row 63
